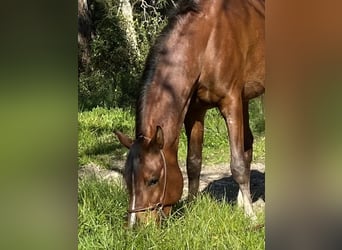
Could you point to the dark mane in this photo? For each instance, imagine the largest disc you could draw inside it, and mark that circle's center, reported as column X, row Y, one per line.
column 178, row 14
column 184, row 7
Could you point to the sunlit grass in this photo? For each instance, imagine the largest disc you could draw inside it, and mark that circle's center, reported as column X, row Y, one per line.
column 203, row 224
column 97, row 142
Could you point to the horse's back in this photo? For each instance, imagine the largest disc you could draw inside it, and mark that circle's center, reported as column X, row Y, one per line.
column 234, row 59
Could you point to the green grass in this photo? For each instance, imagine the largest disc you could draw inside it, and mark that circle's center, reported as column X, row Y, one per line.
column 203, row 224
column 216, row 146
column 98, row 144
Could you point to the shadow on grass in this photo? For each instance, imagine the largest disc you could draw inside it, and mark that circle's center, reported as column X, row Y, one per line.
column 104, row 148
column 178, row 209
column 226, row 189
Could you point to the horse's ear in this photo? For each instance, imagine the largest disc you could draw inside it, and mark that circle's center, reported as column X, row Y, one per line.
column 124, row 139
column 158, row 139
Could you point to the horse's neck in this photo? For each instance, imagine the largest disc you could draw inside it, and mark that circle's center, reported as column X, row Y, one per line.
column 167, row 95
column 170, row 84
column 165, row 104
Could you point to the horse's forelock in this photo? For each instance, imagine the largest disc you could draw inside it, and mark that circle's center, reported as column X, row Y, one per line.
column 132, row 161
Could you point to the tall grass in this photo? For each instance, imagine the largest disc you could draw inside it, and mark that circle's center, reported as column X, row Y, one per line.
column 98, row 144
column 203, row 224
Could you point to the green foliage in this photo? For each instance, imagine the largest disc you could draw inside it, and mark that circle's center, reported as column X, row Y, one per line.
column 203, row 224
column 112, row 62
column 149, row 23
column 111, row 79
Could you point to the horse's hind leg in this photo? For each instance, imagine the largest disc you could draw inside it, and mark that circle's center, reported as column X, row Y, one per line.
column 233, row 111
column 194, row 127
column 248, row 147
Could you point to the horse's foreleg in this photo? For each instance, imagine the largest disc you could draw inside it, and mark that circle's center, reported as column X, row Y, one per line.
column 194, row 127
column 233, row 110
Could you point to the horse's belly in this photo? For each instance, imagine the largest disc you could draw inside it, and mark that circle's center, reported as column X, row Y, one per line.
column 214, row 96
column 252, row 90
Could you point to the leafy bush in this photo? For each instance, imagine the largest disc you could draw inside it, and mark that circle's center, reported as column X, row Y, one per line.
column 115, row 66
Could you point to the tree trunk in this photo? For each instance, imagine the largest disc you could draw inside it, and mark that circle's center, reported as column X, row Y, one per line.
column 127, row 14
column 85, row 32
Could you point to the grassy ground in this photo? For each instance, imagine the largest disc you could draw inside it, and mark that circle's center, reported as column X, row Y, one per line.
column 204, row 224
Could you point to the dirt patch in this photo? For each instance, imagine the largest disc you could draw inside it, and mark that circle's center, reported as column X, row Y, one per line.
column 215, row 180
column 218, row 182
column 97, row 172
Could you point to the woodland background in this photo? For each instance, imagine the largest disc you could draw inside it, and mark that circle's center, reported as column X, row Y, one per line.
column 114, row 37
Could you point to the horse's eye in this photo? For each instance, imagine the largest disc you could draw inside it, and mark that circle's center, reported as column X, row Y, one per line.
column 152, row 182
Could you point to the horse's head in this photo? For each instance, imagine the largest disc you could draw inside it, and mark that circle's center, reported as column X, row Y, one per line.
column 146, row 175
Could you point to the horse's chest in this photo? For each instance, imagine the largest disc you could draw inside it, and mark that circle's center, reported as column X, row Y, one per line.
column 210, row 94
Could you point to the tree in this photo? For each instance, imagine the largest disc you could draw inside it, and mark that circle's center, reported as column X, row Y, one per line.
column 114, row 39
column 128, row 23
column 85, row 34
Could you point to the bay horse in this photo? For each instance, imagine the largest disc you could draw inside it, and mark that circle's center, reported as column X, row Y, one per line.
column 211, row 54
